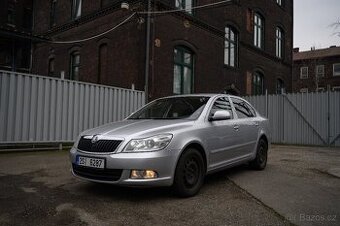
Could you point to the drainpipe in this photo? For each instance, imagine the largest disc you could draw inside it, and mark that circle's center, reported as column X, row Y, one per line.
column 147, row 52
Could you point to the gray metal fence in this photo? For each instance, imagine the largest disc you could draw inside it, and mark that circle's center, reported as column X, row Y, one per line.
column 302, row 118
column 44, row 109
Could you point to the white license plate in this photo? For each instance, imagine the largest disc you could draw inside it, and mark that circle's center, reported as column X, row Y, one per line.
column 91, row 162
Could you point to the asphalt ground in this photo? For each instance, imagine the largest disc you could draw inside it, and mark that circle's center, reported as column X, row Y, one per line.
column 300, row 185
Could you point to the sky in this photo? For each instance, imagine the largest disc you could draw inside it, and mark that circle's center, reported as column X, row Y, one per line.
column 312, row 20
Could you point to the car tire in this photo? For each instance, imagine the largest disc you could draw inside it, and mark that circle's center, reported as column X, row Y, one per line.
column 189, row 174
column 260, row 161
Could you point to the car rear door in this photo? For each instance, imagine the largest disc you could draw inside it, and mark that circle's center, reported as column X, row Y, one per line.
column 247, row 126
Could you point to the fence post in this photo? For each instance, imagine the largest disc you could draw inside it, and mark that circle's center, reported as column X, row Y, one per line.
column 284, row 96
column 266, row 103
column 328, row 116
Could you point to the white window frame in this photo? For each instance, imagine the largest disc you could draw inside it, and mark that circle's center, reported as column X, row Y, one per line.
column 336, row 73
column 76, row 8
column 304, row 90
column 301, row 75
column 319, row 75
column 279, row 42
column 259, row 27
column 185, row 4
column 231, row 47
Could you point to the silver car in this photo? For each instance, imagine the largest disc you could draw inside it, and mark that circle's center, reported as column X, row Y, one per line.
column 174, row 141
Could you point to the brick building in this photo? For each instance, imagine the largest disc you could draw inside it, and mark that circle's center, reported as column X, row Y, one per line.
column 242, row 47
column 316, row 70
column 16, row 35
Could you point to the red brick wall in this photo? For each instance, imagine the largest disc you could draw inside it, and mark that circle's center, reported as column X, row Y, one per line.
column 126, row 46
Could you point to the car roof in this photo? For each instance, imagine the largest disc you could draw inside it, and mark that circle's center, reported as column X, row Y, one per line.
column 201, row 94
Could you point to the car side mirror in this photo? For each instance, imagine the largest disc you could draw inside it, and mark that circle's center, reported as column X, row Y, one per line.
column 220, row 115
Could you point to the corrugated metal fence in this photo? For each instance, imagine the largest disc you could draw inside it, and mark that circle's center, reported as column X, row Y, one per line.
column 44, row 109
column 302, row 118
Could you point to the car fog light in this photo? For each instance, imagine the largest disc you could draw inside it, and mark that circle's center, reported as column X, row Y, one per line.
column 143, row 174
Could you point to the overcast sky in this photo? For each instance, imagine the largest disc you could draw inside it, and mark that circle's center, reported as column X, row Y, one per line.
column 312, row 20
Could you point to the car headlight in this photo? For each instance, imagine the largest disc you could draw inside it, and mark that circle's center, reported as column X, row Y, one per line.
column 154, row 143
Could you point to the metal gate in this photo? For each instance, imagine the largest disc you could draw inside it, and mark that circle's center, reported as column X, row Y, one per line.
column 302, row 118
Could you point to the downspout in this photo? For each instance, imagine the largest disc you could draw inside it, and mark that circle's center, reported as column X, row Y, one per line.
column 147, row 52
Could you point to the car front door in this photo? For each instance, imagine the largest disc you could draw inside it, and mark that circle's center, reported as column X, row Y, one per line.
column 221, row 136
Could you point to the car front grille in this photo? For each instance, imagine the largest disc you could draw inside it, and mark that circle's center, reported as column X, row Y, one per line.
column 99, row 146
column 97, row 174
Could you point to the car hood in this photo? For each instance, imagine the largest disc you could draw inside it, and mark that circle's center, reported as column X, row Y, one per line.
column 139, row 128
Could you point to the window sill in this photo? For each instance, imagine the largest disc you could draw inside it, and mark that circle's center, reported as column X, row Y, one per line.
column 236, row 68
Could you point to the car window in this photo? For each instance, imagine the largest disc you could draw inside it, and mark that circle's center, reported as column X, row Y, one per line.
column 221, row 103
column 243, row 110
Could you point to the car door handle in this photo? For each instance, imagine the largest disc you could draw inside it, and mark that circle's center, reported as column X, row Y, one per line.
column 236, row 127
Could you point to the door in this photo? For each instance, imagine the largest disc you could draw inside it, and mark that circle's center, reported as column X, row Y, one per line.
column 221, row 136
column 248, row 127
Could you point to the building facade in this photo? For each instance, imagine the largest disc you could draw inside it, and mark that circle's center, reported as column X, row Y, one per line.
column 241, row 46
column 16, row 35
column 316, row 70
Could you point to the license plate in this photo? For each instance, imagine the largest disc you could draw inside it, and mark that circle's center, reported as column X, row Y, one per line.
column 91, row 162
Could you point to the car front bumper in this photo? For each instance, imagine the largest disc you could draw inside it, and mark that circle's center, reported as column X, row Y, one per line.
column 121, row 164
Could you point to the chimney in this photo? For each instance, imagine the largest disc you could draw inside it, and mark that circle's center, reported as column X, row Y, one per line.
column 296, row 50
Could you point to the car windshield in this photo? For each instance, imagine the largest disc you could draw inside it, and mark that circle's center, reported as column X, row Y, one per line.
column 173, row 108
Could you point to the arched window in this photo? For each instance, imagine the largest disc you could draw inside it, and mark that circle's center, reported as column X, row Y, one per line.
column 183, row 70
column 74, row 65
column 258, row 31
column 258, row 88
column 279, row 42
column 231, row 47
column 279, row 86
column 102, row 63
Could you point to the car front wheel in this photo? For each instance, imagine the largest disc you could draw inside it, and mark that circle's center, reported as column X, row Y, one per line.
column 189, row 175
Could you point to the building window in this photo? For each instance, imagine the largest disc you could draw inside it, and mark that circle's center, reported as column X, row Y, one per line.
column 10, row 13
column 279, row 86
column 183, row 70
column 51, row 67
column 304, row 90
column 279, row 42
column 258, row 88
column 320, row 71
column 336, row 69
column 231, row 47
column 303, row 72
column 74, row 65
column 185, row 4
column 76, row 9
column 53, row 13
column 102, row 63
column 258, row 31
column 336, row 88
